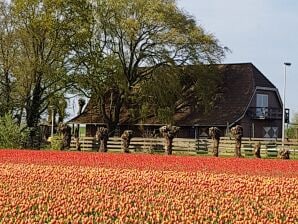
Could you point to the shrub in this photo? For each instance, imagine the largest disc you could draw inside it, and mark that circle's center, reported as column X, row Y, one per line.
column 11, row 135
column 56, row 142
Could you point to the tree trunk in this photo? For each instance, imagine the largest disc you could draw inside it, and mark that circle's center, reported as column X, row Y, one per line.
column 102, row 136
column 78, row 144
column 77, row 138
column 284, row 154
column 257, row 150
column 125, row 145
column 169, row 132
column 66, row 135
column 103, row 145
column 33, row 105
column 237, row 132
column 238, row 147
column 126, row 137
column 214, row 133
column 32, row 117
column 111, row 109
column 169, row 145
column 7, row 105
column 33, row 138
column 215, row 146
column 112, row 125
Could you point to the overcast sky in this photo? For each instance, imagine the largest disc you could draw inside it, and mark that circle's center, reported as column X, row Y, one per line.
column 264, row 32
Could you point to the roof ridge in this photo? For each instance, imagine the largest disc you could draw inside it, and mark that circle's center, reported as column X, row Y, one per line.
column 235, row 63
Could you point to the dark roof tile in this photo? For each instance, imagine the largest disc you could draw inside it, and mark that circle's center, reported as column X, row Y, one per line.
column 238, row 85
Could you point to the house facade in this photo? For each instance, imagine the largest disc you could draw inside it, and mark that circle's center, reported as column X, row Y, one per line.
column 264, row 115
column 248, row 98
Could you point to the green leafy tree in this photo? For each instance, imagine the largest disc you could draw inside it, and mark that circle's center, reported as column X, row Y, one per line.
column 8, row 49
column 292, row 131
column 188, row 88
column 42, row 29
column 129, row 41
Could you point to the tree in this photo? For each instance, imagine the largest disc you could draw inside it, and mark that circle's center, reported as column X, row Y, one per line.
column 102, row 137
column 128, row 42
column 7, row 59
column 42, row 32
column 187, row 88
column 237, row 132
column 215, row 133
column 292, row 131
column 126, row 138
column 169, row 132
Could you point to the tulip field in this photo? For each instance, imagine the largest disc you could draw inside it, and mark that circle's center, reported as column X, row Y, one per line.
column 89, row 187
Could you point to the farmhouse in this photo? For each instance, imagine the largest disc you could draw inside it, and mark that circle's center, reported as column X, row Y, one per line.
column 248, row 98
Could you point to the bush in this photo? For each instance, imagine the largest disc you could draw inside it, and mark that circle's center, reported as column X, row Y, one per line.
column 56, row 142
column 11, row 135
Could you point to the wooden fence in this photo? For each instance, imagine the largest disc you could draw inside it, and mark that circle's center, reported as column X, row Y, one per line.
column 269, row 147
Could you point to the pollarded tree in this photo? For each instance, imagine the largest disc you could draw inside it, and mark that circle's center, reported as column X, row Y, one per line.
column 135, row 38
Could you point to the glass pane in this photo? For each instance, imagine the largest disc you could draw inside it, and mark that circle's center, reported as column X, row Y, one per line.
column 262, row 105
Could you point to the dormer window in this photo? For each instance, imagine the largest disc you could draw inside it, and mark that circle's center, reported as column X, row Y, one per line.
column 262, row 105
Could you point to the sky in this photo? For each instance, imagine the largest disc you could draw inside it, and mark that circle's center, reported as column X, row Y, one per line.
column 263, row 32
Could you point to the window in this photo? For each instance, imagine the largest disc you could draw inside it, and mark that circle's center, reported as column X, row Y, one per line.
column 262, row 105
